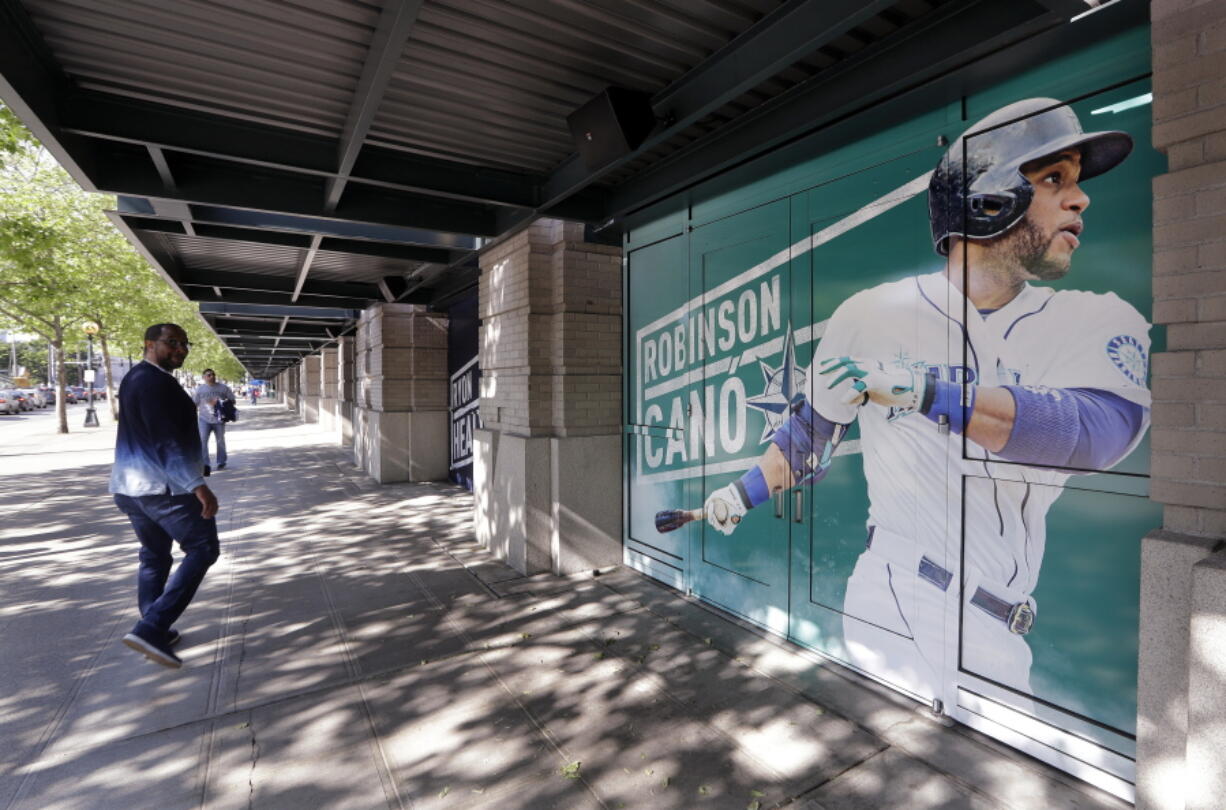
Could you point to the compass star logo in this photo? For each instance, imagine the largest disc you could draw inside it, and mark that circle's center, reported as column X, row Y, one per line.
column 781, row 387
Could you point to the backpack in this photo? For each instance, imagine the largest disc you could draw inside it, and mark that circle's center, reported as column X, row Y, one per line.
column 226, row 411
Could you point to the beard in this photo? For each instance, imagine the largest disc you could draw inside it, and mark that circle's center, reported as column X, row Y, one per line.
column 1028, row 247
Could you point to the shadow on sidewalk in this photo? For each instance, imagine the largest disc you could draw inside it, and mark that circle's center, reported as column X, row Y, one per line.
column 355, row 647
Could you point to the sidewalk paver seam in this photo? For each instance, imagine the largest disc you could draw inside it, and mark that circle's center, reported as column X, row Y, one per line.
column 234, row 560
column 541, row 730
column 383, row 767
column 49, row 731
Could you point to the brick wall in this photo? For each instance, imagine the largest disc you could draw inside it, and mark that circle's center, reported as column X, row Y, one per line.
column 550, row 352
column 328, row 372
column 400, row 359
column 345, row 369
column 1180, row 680
column 311, row 366
column 1189, row 379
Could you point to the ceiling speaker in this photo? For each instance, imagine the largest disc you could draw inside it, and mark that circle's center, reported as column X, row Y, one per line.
column 613, row 124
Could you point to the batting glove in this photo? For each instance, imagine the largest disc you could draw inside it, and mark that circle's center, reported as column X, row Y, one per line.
column 724, row 509
column 899, row 388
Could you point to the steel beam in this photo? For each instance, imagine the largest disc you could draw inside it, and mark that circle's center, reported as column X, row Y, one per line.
column 101, row 116
column 32, row 85
column 386, row 46
column 259, row 282
column 268, row 236
column 279, row 310
column 269, row 334
column 205, row 295
column 208, row 182
column 307, row 258
column 777, row 41
column 347, row 230
column 967, row 29
column 267, row 326
column 1066, row 8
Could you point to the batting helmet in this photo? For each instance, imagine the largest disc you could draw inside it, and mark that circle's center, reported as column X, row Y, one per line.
column 983, row 193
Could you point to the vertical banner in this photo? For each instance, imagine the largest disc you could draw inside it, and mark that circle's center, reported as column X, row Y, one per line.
column 464, row 390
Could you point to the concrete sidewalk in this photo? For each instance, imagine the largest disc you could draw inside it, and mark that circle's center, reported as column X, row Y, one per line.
column 354, row 648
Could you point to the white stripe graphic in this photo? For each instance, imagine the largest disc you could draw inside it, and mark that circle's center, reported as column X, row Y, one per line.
column 874, row 209
column 735, row 465
column 856, row 218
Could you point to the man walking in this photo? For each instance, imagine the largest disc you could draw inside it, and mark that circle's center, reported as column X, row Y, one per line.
column 158, row 482
column 206, row 396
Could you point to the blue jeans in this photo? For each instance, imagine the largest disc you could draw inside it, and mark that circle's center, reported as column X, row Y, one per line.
column 218, row 429
column 159, row 520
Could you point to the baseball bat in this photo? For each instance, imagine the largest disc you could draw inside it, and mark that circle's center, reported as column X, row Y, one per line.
column 669, row 520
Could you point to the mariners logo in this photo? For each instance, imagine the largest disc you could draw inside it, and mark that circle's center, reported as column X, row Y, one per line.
column 1129, row 357
column 781, row 387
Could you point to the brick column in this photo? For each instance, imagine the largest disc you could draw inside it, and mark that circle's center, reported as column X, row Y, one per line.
column 547, row 465
column 345, row 389
column 1181, row 722
column 400, row 419
column 328, row 400
column 293, row 384
column 309, row 396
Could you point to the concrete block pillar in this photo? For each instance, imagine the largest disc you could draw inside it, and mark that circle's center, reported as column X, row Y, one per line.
column 1207, row 685
column 312, row 366
column 1168, row 560
column 1181, row 690
column 400, row 423
column 547, row 465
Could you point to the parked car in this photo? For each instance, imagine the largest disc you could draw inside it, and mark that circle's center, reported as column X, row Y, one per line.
column 8, row 401
column 48, row 393
column 24, row 403
column 35, row 396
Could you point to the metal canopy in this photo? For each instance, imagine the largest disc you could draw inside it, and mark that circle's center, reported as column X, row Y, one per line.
column 289, row 162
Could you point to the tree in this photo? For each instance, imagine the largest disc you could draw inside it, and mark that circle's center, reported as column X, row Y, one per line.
column 36, row 300
column 62, row 264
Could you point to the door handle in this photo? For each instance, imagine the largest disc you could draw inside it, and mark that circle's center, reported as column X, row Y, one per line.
column 779, row 503
column 798, row 506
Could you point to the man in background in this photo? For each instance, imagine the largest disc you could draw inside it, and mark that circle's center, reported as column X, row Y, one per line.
column 207, row 396
column 158, row 482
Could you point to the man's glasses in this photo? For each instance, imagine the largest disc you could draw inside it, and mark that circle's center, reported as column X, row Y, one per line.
column 175, row 343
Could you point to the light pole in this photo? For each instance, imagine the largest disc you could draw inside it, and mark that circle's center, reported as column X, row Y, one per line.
column 91, row 416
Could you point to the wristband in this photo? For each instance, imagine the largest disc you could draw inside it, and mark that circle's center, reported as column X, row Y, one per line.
column 945, row 399
column 752, row 488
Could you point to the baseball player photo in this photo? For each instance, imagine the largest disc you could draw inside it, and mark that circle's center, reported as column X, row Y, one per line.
column 968, row 380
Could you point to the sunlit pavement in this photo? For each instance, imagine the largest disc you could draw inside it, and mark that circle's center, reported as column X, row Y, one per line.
column 354, row 648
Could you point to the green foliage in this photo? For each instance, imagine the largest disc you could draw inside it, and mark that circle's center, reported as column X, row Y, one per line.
column 13, row 134
column 62, row 263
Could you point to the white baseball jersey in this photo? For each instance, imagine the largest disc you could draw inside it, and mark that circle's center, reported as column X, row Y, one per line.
column 1066, row 339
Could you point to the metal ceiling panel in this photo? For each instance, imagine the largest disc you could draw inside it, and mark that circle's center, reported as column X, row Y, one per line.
column 493, row 80
column 199, row 253
column 285, row 63
column 332, row 266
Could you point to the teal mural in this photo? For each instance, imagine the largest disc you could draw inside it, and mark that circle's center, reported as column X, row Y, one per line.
column 900, row 415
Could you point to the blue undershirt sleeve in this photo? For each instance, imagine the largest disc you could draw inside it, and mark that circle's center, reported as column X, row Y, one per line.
column 1082, row 428
column 807, row 440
